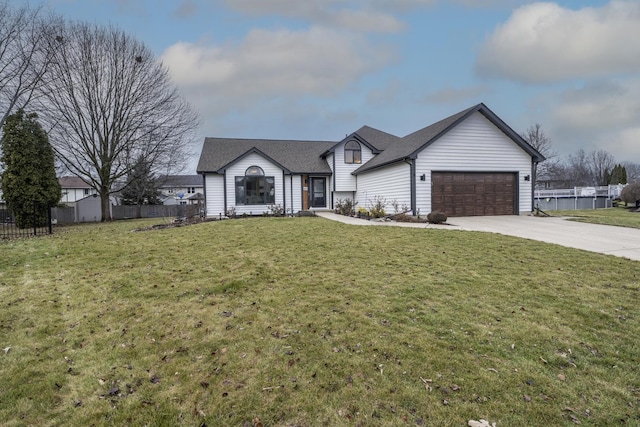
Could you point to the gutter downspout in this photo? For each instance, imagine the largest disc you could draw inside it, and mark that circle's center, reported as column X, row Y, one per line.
column 533, row 183
column 204, row 189
column 412, row 169
column 224, row 182
column 284, row 192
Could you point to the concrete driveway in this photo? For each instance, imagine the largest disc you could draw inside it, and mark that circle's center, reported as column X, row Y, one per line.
column 605, row 239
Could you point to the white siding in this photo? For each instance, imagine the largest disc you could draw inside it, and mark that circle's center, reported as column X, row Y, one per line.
column 474, row 145
column 239, row 169
column 392, row 183
column 293, row 193
column 329, row 160
column 344, row 181
column 343, row 195
column 215, row 195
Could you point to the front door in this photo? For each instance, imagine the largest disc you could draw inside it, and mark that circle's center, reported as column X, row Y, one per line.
column 318, row 193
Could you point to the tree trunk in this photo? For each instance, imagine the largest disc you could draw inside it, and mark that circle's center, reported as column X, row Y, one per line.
column 105, row 205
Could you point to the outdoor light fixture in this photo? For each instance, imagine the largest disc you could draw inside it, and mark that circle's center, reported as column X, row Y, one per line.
column 527, row 177
column 423, row 177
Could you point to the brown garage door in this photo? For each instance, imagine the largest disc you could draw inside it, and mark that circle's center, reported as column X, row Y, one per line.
column 473, row 193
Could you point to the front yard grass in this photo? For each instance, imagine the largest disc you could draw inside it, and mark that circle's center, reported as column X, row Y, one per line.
column 308, row 322
column 620, row 216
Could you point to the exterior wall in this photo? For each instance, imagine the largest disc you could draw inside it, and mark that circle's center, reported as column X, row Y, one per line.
column 343, row 195
column 72, row 195
column 239, row 168
column 393, row 183
column 293, row 191
column 215, row 195
column 343, row 180
column 329, row 160
column 474, row 145
column 89, row 209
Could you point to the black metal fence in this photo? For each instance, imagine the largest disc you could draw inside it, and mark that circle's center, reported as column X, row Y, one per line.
column 29, row 222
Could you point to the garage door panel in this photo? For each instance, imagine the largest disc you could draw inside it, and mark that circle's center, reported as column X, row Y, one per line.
column 474, row 193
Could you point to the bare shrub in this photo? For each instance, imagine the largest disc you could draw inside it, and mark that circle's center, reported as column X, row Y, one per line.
column 437, row 217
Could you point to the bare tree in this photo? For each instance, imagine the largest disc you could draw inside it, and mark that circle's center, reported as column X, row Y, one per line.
column 577, row 169
column 112, row 103
column 537, row 138
column 633, row 171
column 601, row 162
column 27, row 38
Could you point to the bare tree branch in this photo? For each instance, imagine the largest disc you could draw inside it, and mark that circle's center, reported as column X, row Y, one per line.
column 27, row 39
column 537, row 138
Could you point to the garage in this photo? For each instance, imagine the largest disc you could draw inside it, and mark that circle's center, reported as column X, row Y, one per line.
column 474, row 193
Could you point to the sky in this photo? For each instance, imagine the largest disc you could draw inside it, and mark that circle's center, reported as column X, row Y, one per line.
column 321, row 69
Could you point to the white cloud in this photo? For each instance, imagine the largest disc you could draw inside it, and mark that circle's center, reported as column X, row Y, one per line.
column 272, row 64
column 544, row 42
column 602, row 105
column 599, row 115
column 344, row 14
column 451, row 95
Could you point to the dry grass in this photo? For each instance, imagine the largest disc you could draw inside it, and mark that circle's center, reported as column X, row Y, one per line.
column 620, row 216
column 302, row 321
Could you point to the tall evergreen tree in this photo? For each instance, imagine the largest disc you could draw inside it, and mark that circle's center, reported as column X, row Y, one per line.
column 618, row 175
column 29, row 177
column 141, row 187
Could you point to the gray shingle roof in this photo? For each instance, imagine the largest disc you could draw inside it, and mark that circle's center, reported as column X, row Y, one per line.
column 73, row 182
column 180, row 181
column 308, row 156
column 295, row 156
column 408, row 146
column 379, row 139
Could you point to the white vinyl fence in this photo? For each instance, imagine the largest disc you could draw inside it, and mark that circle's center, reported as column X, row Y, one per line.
column 577, row 198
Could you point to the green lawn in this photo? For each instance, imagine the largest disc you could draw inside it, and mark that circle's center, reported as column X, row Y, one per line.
column 620, row 216
column 308, row 322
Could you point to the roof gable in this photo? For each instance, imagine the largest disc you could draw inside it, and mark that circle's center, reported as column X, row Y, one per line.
column 409, row 146
column 293, row 156
column 374, row 139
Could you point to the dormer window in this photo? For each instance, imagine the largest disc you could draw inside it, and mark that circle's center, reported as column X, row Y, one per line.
column 352, row 152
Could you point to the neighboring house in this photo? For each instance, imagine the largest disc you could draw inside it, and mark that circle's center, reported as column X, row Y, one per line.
column 189, row 186
column 74, row 189
column 470, row 163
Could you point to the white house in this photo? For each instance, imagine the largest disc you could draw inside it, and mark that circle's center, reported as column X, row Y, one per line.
column 74, row 189
column 190, row 187
column 471, row 163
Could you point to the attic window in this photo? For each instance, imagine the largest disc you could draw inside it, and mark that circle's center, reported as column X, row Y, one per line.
column 352, row 152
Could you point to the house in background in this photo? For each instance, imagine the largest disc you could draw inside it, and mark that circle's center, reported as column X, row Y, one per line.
column 189, row 186
column 74, row 189
column 471, row 163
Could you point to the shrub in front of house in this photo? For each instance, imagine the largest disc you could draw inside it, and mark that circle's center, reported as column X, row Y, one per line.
column 437, row 217
column 378, row 206
column 345, row 207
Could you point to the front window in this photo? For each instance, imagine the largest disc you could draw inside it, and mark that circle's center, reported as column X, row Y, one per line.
column 254, row 188
column 352, row 152
column 191, row 190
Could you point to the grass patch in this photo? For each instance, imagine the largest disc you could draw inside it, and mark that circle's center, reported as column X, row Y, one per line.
column 620, row 216
column 304, row 321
